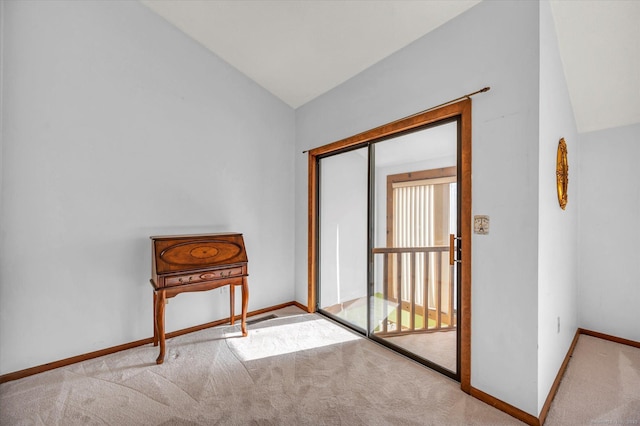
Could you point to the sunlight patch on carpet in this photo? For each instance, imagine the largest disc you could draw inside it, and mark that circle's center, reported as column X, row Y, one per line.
column 278, row 338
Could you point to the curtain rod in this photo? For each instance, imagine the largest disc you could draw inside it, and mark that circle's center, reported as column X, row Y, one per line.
column 468, row 95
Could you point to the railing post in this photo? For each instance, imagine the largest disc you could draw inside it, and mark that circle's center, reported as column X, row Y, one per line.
column 399, row 292
column 385, row 294
column 439, row 291
column 412, row 309
column 426, row 290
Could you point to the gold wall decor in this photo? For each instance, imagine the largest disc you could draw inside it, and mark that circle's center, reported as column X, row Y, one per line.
column 562, row 173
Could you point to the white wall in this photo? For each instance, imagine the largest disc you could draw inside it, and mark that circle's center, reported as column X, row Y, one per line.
column 494, row 44
column 558, row 229
column 609, row 204
column 118, row 127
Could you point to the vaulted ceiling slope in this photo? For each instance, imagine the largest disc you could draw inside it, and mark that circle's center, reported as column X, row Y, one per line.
column 299, row 50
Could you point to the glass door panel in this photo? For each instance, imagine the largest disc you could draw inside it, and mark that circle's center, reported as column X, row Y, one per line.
column 343, row 201
column 414, row 299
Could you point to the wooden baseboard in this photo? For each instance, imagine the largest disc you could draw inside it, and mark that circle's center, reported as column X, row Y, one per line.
column 610, row 337
column 72, row 360
column 503, row 406
column 96, row 354
column 556, row 383
column 301, row 306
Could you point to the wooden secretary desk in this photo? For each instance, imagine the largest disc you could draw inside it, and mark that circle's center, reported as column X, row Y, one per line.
column 185, row 263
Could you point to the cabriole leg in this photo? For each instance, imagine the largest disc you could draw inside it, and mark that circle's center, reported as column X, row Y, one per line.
column 155, row 321
column 232, row 301
column 160, row 302
column 245, row 304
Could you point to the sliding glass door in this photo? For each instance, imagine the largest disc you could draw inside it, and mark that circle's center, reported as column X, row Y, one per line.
column 386, row 211
column 390, row 236
column 415, row 290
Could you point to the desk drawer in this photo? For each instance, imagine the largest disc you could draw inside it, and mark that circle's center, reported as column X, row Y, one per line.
column 203, row 276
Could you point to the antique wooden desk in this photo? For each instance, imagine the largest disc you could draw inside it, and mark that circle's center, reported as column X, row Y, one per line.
column 184, row 263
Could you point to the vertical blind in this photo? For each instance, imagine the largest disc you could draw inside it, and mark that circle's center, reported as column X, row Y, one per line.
column 423, row 215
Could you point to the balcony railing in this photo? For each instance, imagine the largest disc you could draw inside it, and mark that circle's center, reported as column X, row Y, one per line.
column 418, row 291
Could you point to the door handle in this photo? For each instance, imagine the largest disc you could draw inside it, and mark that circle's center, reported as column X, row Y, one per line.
column 452, row 247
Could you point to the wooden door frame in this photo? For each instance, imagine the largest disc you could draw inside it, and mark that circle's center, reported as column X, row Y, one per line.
column 461, row 110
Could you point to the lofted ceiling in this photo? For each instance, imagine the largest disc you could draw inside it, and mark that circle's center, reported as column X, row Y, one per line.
column 300, row 49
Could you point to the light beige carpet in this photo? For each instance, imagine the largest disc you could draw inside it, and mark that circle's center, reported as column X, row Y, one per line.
column 438, row 347
column 299, row 369
column 601, row 386
column 296, row 370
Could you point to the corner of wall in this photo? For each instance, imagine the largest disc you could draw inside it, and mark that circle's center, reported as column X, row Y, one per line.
column 557, row 232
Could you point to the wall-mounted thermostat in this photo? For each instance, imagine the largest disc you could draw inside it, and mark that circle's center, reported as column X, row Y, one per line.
column 481, row 224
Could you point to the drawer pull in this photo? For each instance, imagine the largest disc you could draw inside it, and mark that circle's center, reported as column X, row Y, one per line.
column 183, row 281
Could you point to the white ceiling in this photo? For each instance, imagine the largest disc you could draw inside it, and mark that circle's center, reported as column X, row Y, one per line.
column 300, row 49
column 600, row 48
